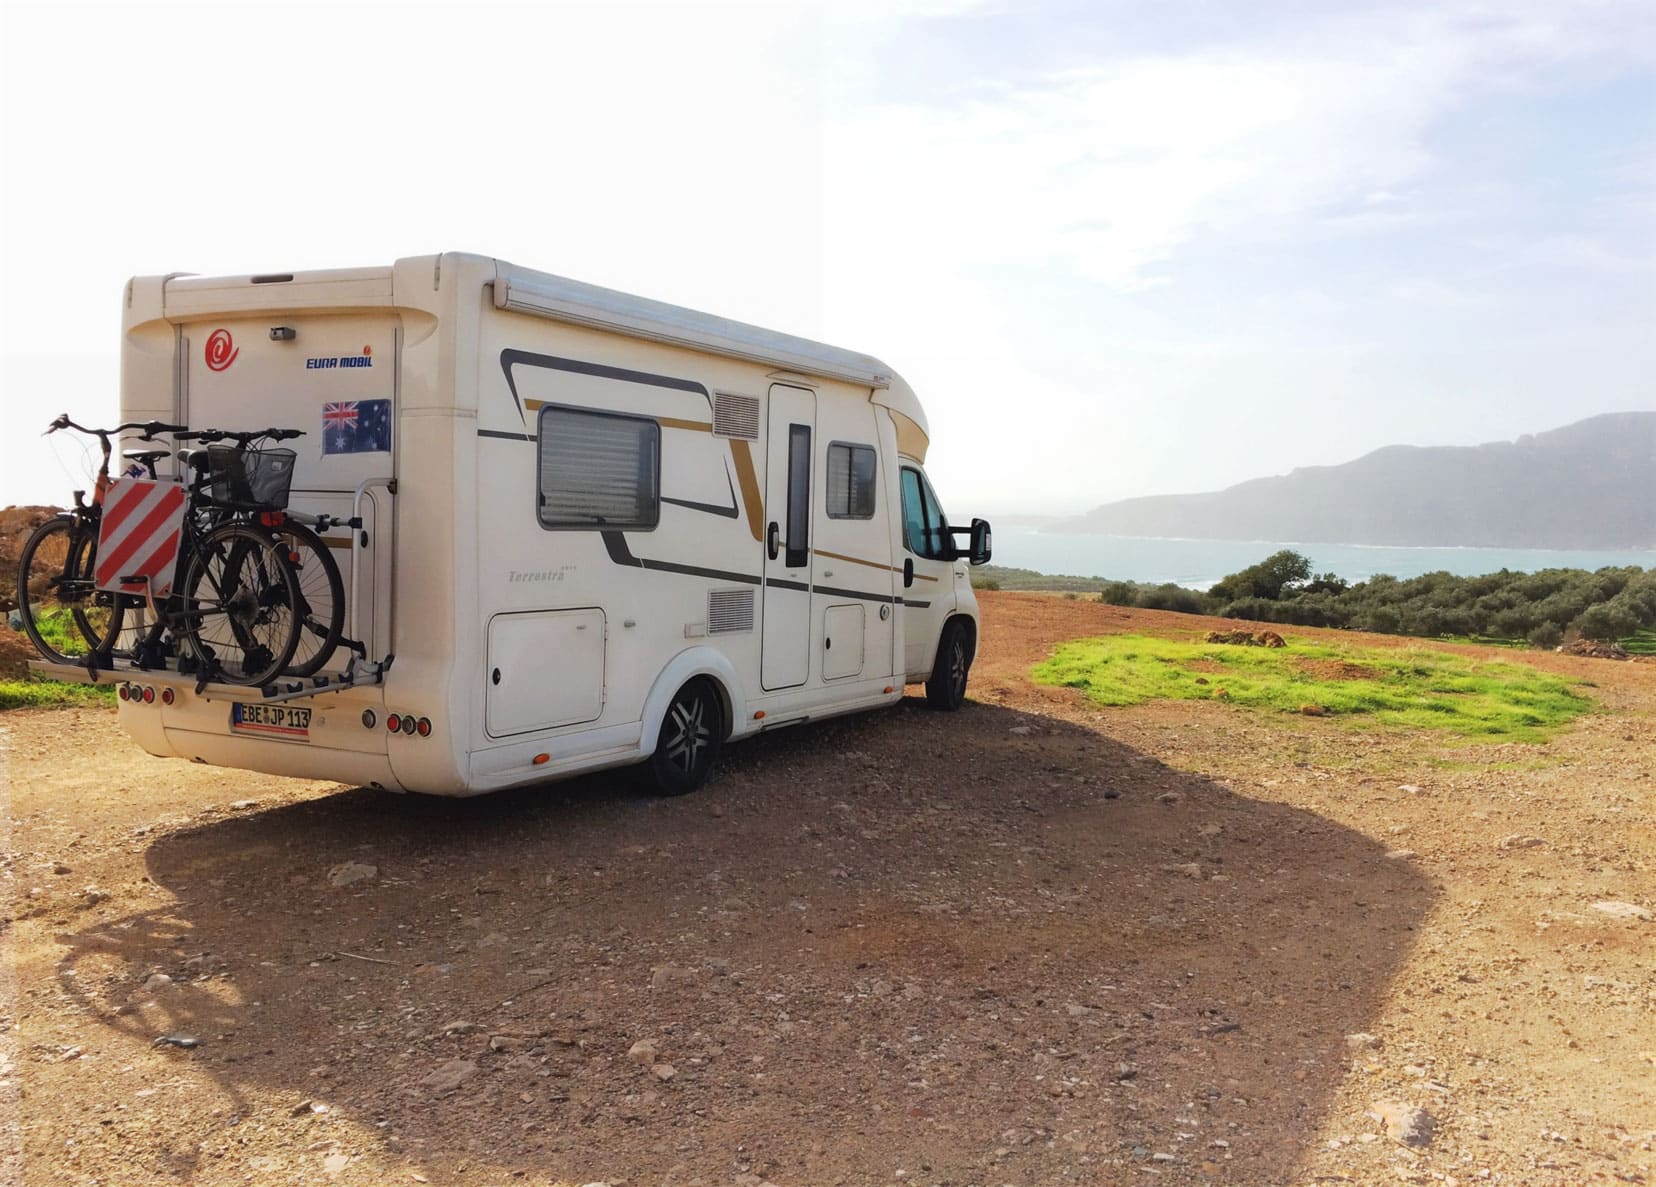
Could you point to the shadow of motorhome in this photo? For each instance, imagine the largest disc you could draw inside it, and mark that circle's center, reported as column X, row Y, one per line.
column 1022, row 951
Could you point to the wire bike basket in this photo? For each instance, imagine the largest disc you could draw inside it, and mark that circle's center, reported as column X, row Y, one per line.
column 250, row 479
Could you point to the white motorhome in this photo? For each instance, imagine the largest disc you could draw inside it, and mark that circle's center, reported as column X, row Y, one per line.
column 596, row 529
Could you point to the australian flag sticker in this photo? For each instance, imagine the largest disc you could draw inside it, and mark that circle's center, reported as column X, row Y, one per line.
column 356, row 426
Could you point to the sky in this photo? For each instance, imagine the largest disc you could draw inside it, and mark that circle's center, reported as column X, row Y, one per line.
column 1117, row 248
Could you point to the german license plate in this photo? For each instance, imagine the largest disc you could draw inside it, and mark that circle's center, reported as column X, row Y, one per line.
column 271, row 721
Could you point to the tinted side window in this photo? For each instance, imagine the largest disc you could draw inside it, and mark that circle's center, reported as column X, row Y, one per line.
column 850, row 481
column 597, row 469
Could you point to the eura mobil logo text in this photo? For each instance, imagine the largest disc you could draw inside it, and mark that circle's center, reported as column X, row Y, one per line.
column 365, row 359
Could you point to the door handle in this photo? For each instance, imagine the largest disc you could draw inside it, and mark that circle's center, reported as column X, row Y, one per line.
column 773, row 539
column 908, row 571
column 496, row 676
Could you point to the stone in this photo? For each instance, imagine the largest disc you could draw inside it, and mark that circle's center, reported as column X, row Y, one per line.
column 183, row 1041
column 335, row 1163
column 1411, row 788
column 1619, row 910
column 60, row 868
column 1403, row 1122
column 449, row 1075
column 1168, row 797
column 460, row 1027
column 644, row 1051
column 350, row 873
column 663, row 976
column 1313, row 711
column 663, row 1071
column 156, row 982
column 1519, row 841
column 1400, row 854
column 243, row 805
column 1362, row 1041
column 1023, row 731
column 1190, row 869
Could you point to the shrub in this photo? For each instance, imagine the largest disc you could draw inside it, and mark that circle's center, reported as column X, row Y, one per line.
column 1172, row 597
column 1119, row 593
column 1546, row 636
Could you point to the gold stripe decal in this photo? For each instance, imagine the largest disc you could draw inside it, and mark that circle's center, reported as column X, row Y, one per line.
column 856, row 560
column 748, row 480
column 695, row 426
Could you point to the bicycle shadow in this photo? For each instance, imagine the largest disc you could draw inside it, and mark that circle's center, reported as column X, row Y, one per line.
column 846, row 965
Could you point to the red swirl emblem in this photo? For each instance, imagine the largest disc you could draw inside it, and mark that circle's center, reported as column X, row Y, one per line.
column 221, row 351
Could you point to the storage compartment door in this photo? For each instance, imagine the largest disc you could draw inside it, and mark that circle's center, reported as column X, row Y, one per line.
column 545, row 669
column 842, row 641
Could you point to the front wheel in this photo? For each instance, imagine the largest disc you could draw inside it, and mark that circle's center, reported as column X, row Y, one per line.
column 65, row 616
column 946, row 689
column 689, row 742
column 321, row 598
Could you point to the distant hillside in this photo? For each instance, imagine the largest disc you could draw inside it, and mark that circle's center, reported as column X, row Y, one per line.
column 1587, row 485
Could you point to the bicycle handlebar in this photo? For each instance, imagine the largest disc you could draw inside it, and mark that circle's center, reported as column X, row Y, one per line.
column 209, row 436
column 147, row 428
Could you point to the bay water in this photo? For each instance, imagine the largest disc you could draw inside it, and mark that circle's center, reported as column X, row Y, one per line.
column 1197, row 564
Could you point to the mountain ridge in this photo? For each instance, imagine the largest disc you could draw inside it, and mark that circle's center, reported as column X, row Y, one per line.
column 1589, row 484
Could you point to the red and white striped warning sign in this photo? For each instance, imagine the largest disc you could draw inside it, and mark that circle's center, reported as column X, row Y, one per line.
column 139, row 535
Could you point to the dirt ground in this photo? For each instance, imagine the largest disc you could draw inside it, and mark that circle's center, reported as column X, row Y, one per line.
column 1035, row 942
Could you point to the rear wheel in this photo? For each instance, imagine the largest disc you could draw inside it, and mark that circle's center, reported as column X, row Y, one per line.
column 321, row 599
column 689, row 742
column 64, row 614
column 240, row 605
column 946, row 689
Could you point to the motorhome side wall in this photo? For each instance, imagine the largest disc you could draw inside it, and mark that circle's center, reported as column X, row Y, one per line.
column 584, row 632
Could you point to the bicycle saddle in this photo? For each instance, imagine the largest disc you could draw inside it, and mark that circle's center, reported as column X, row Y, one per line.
column 144, row 457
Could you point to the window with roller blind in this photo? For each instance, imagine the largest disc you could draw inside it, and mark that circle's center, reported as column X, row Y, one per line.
column 598, row 469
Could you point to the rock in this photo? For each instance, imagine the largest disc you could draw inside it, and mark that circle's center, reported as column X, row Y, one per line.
column 644, row 1051
column 461, row 1028
column 663, row 1071
column 1210, row 830
column 1190, row 869
column 1168, row 797
column 59, row 867
column 334, row 1163
column 184, row 1041
column 350, row 873
column 1313, row 711
column 243, row 805
column 156, row 982
column 450, row 1075
column 93, row 895
column 1403, row 1122
column 1623, row 910
column 1411, row 788
column 662, row 976
column 1023, row 731
column 1519, row 841
column 1362, row 1041
column 1400, row 854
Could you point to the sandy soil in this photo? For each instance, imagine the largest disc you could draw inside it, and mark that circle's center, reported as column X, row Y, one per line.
column 1035, row 942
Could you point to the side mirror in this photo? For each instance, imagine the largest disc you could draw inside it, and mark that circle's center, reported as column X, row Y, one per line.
column 981, row 542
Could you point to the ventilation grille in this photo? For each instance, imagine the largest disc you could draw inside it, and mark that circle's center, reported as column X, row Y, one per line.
column 735, row 416
column 729, row 611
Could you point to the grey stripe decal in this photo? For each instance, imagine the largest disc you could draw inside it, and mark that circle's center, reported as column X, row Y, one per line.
column 510, row 358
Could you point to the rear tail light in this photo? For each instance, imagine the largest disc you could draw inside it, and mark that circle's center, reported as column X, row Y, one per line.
column 125, row 692
column 423, row 727
column 149, row 696
column 167, row 696
column 393, row 723
column 407, row 724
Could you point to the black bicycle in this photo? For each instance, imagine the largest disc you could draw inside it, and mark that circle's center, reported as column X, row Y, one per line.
column 236, row 608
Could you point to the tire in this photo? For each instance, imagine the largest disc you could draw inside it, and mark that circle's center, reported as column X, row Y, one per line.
column 239, row 605
column 64, row 615
column 691, row 735
column 946, row 689
column 321, row 599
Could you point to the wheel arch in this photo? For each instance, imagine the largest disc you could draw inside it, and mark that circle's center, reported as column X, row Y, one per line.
column 697, row 662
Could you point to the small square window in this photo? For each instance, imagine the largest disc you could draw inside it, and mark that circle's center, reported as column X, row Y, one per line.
column 850, row 481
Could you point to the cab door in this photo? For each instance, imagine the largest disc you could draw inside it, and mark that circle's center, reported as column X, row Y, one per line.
column 785, row 627
column 929, row 548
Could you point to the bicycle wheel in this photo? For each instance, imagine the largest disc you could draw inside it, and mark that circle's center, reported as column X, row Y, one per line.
column 65, row 616
column 321, row 598
column 239, row 604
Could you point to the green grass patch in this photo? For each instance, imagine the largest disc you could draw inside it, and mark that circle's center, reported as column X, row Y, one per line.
column 1640, row 643
column 48, row 694
column 1408, row 687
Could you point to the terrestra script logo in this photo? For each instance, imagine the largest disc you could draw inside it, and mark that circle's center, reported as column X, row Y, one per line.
column 221, row 351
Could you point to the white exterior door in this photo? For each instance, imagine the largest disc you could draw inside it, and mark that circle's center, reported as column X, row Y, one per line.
column 785, row 643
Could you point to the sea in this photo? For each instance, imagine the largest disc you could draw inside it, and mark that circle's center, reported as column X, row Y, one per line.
column 1197, row 564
